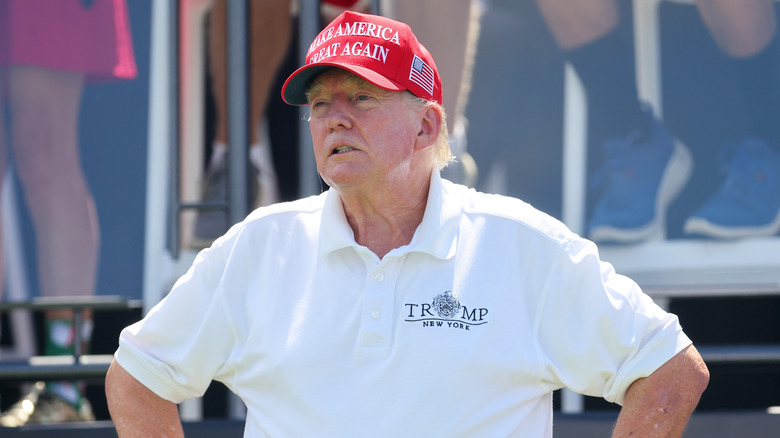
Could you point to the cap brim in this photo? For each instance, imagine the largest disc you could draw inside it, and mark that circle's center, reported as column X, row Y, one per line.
column 295, row 87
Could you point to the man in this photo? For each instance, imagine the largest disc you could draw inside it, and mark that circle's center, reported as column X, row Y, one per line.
column 397, row 303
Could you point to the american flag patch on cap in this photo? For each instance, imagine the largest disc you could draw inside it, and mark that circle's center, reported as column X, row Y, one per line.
column 421, row 74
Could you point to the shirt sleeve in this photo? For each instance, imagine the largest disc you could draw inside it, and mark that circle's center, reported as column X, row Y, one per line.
column 185, row 340
column 597, row 330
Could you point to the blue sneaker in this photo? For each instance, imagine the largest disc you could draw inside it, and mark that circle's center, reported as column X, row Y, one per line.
column 643, row 174
column 748, row 202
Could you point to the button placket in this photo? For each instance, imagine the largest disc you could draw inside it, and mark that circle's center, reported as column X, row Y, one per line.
column 377, row 306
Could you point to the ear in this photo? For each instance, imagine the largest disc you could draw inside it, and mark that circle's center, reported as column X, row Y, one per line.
column 430, row 126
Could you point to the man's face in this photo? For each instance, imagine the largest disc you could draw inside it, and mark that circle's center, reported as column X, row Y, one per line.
column 363, row 136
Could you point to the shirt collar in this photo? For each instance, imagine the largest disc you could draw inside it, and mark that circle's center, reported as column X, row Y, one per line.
column 436, row 234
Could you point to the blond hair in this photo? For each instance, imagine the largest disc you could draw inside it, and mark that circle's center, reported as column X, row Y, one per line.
column 443, row 154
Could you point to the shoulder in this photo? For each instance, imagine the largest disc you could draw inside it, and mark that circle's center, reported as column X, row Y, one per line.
column 507, row 213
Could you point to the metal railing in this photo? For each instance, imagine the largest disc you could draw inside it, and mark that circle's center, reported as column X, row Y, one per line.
column 79, row 366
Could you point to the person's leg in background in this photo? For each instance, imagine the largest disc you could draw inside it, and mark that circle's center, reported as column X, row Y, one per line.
column 44, row 107
column 270, row 36
column 449, row 30
column 748, row 202
column 593, row 40
column 645, row 166
column 270, row 30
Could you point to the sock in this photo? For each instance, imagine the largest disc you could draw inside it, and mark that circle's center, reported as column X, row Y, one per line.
column 68, row 391
column 757, row 80
column 218, row 153
column 256, row 156
column 261, row 158
column 60, row 337
column 606, row 68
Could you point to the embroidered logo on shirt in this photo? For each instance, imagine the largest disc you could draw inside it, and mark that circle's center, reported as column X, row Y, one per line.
column 446, row 311
column 446, row 305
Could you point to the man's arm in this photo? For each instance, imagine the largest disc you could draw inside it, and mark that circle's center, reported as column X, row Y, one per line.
column 137, row 411
column 661, row 404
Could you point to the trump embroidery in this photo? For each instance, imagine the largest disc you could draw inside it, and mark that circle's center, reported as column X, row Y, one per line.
column 446, row 311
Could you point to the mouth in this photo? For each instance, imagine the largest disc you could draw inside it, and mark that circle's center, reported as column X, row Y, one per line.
column 342, row 149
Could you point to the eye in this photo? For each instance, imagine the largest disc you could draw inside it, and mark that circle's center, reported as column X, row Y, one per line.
column 364, row 97
column 317, row 107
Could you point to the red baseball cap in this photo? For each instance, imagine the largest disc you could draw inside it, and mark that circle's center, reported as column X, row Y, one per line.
column 382, row 51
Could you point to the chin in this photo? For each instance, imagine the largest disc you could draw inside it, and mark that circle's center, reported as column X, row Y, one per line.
column 344, row 182
column 343, row 174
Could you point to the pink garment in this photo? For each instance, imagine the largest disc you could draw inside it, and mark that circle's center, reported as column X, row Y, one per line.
column 88, row 36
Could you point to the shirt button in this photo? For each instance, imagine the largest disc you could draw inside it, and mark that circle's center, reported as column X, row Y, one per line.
column 379, row 278
column 376, row 314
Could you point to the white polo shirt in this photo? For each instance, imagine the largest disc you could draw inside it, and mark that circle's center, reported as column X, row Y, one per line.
column 465, row 332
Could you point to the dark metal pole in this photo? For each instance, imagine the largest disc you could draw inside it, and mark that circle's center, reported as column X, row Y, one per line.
column 238, row 107
column 173, row 138
column 309, row 26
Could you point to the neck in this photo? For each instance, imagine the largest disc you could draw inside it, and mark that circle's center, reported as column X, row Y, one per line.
column 384, row 221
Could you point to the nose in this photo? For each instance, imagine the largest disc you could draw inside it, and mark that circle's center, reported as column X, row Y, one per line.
column 339, row 114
